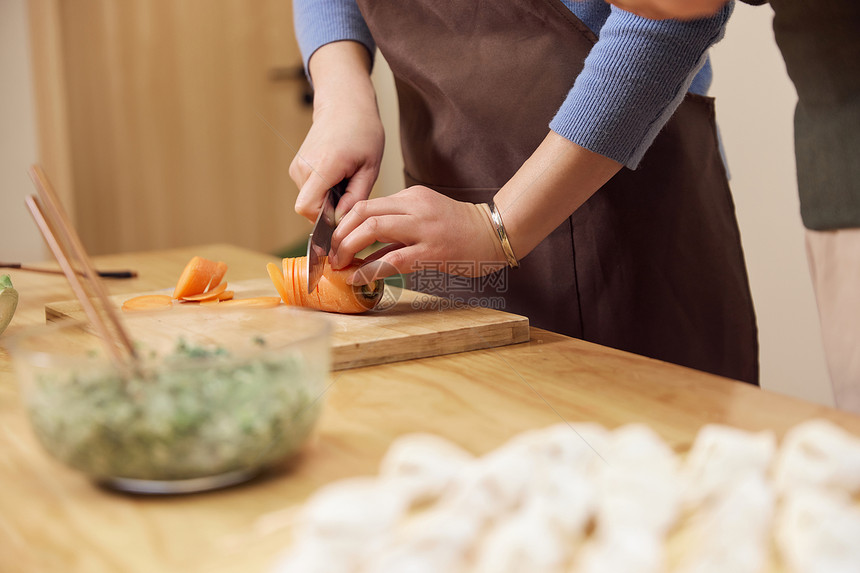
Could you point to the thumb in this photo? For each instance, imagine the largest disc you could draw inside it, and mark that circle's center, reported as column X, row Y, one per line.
column 359, row 188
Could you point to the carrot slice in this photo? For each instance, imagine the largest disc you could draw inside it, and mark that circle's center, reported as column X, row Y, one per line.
column 298, row 299
column 226, row 295
column 277, row 276
column 287, row 267
column 218, row 275
column 148, row 302
column 256, row 301
column 208, row 295
column 296, row 266
column 302, row 282
column 195, row 278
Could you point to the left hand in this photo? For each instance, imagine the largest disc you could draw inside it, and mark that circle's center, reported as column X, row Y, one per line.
column 422, row 227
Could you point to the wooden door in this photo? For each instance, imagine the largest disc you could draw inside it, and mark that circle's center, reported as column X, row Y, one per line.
column 158, row 112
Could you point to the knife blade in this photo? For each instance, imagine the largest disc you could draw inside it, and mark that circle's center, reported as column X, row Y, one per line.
column 319, row 242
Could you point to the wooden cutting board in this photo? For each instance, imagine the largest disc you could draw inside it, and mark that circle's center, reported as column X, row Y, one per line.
column 410, row 325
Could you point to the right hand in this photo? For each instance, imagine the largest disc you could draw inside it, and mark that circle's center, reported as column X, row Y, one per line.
column 346, row 139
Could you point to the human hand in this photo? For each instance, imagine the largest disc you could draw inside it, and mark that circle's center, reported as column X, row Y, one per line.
column 341, row 144
column 421, row 227
column 665, row 9
column 346, row 138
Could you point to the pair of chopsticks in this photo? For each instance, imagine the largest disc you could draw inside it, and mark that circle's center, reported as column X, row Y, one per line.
column 67, row 248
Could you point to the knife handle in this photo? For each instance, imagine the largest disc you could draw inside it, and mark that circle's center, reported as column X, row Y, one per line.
column 338, row 191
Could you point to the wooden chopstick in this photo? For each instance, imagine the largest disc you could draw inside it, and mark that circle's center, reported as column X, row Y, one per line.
column 102, row 274
column 70, row 247
column 92, row 314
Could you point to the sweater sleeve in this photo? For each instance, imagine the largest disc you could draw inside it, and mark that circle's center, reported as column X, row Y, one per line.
column 320, row 22
column 633, row 80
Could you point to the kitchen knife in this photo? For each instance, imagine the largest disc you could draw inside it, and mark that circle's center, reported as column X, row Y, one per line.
column 319, row 243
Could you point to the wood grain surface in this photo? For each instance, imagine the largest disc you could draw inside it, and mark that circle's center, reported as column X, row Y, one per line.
column 53, row 519
column 408, row 324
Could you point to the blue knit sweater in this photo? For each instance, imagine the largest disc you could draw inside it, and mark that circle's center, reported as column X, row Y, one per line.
column 634, row 78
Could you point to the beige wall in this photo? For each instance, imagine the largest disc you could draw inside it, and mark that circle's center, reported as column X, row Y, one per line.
column 19, row 239
column 755, row 108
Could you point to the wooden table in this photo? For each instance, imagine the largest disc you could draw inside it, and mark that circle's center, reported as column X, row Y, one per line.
column 53, row 519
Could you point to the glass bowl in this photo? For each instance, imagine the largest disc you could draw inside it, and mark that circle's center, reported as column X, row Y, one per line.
column 203, row 407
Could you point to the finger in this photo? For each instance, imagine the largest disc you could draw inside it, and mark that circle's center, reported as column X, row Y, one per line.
column 299, row 172
column 359, row 188
column 311, row 196
column 363, row 210
column 379, row 253
column 384, row 229
column 396, row 261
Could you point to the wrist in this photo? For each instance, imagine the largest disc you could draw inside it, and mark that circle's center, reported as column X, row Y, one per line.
column 341, row 77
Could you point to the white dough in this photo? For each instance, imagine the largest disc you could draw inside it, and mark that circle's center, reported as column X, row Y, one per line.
column 579, row 498
column 345, row 517
column 818, row 453
column 722, row 456
column 622, row 551
column 422, row 466
column 731, row 532
column 525, row 541
column 819, row 532
column 637, row 486
column 437, row 540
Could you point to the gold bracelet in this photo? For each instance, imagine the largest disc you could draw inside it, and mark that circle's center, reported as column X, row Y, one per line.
column 503, row 236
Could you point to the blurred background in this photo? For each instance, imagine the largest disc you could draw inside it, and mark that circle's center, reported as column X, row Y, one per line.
column 167, row 123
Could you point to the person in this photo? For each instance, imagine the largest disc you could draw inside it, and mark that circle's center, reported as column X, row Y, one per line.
column 820, row 44
column 564, row 150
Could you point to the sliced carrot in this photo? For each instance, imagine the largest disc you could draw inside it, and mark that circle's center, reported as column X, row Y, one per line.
column 148, row 302
column 290, row 277
column 290, row 274
column 301, row 293
column 337, row 296
column 255, row 301
column 196, row 277
column 218, row 275
column 277, row 276
column 209, row 302
column 208, row 295
column 331, row 294
column 226, row 295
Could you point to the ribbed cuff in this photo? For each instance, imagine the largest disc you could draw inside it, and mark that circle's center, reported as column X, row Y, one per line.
column 318, row 23
column 633, row 80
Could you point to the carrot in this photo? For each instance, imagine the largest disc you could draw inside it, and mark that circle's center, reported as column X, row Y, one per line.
column 148, row 302
column 255, row 301
column 226, row 295
column 277, row 276
column 218, row 275
column 208, row 295
column 197, row 276
column 331, row 294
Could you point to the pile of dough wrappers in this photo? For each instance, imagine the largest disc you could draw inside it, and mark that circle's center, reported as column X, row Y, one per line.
column 581, row 498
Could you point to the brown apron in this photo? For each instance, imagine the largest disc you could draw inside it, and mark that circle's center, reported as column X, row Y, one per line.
column 652, row 263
